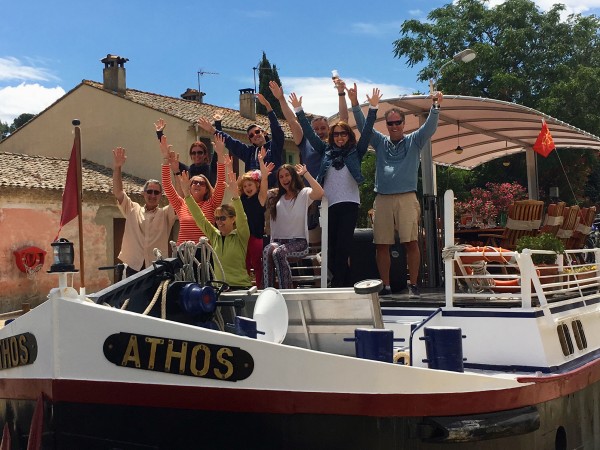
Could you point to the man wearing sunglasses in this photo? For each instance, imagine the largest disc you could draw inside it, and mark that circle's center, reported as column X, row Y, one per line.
column 146, row 227
column 396, row 205
column 257, row 136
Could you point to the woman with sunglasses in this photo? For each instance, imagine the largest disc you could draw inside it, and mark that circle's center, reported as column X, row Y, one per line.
column 288, row 205
column 229, row 238
column 207, row 198
column 340, row 175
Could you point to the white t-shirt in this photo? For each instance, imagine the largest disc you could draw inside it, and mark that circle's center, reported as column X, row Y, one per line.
column 291, row 217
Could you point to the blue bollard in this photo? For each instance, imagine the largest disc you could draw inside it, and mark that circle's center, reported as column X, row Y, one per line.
column 245, row 327
column 444, row 348
column 374, row 344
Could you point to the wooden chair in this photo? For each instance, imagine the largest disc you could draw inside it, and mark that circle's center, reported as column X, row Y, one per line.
column 582, row 229
column 570, row 221
column 554, row 218
column 524, row 219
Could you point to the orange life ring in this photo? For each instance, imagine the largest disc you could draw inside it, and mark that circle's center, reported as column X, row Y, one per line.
column 29, row 259
column 483, row 257
column 507, row 286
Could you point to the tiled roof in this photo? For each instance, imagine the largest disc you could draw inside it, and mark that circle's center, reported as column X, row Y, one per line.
column 41, row 172
column 190, row 110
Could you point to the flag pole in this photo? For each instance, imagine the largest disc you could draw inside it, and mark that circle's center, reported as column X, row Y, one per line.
column 76, row 124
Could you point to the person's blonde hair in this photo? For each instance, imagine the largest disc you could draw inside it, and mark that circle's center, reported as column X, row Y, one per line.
column 252, row 175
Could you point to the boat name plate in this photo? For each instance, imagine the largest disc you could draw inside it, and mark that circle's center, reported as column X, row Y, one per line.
column 18, row 350
column 161, row 354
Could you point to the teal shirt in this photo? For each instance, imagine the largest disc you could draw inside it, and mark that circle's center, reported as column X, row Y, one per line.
column 231, row 251
column 397, row 165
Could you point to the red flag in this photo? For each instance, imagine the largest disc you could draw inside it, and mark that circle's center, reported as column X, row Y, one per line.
column 70, row 200
column 6, row 441
column 544, row 143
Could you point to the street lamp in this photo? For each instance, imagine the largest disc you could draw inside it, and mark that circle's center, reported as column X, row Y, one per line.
column 465, row 56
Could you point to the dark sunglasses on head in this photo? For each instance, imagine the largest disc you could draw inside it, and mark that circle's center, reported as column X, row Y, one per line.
column 221, row 218
column 199, row 182
column 394, row 122
column 199, row 152
column 254, row 132
column 152, row 192
column 340, row 134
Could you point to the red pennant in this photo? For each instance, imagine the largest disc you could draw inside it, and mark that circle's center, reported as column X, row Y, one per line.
column 6, row 443
column 544, row 144
column 69, row 200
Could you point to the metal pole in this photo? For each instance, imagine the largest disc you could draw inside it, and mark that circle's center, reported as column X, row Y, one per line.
column 430, row 216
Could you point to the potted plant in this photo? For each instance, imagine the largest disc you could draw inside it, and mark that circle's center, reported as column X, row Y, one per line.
column 545, row 263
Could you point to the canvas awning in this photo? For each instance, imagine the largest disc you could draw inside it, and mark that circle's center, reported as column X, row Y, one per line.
column 489, row 129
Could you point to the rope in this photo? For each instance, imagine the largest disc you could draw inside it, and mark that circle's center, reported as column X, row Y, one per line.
column 448, row 252
column 161, row 288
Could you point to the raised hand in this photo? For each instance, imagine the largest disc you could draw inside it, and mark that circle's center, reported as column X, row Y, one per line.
column 185, row 183
column 295, row 101
column 263, row 101
column 270, row 167
column 300, row 169
column 353, row 94
column 174, row 161
column 276, row 90
column 205, row 124
column 438, row 97
column 219, row 144
column 374, row 99
column 119, row 157
column 160, row 125
column 217, row 116
column 340, row 85
column 165, row 148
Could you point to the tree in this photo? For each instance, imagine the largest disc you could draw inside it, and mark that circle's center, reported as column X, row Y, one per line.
column 21, row 120
column 525, row 56
column 4, row 130
column 267, row 73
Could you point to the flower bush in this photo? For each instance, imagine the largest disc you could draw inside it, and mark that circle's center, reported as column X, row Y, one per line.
column 489, row 202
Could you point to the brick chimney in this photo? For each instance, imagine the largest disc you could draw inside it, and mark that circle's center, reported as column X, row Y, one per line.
column 193, row 95
column 114, row 73
column 247, row 104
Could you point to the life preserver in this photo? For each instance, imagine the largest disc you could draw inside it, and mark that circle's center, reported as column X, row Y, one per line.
column 402, row 355
column 489, row 257
column 507, row 286
column 29, row 259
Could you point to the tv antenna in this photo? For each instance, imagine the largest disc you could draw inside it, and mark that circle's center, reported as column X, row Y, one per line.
column 201, row 73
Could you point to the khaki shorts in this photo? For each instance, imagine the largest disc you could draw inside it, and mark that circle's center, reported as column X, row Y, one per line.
column 396, row 212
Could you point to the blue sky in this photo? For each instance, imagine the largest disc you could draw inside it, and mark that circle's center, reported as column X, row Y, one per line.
column 47, row 48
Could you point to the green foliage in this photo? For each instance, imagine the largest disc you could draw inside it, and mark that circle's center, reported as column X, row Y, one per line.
column 267, row 73
column 4, row 130
column 367, row 190
column 544, row 241
column 524, row 55
column 21, row 120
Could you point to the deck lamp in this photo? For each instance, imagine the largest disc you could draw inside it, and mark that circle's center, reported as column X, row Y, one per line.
column 63, row 256
column 465, row 56
column 458, row 150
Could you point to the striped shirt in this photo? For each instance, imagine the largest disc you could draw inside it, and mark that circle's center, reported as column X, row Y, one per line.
column 188, row 230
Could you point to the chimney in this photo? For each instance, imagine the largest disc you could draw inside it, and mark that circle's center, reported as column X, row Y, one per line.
column 194, row 95
column 114, row 73
column 247, row 105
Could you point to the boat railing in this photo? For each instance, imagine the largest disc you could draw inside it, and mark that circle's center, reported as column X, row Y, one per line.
column 487, row 274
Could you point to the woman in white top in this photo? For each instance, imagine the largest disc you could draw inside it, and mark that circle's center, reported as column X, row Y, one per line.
column 288, row 205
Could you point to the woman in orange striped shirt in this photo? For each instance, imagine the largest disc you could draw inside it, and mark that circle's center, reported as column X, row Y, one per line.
column 207, row 197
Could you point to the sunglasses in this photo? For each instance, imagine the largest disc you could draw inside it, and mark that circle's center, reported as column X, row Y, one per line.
column 221, row 218
column 200, row 152
column 394, row 122
column 198, row 183
column 255, row 132
column 340, row 134
column 153, row 192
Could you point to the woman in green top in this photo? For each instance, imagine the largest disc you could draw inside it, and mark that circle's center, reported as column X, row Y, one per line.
column 229, row 238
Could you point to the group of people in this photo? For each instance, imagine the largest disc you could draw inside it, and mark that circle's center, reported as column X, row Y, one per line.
column 273, row 199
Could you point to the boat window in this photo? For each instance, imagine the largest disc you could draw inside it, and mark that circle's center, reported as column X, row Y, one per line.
column 564, row 336
column 579, row 334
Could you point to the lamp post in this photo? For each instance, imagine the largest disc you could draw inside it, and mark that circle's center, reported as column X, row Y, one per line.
column 433, row 260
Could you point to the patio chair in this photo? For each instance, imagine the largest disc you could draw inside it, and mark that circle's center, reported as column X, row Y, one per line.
column 554, row 218
column 570, row 221
column 582, row 229
column 524, row 219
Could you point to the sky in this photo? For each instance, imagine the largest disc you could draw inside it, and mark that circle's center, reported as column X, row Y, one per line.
column 48, row 48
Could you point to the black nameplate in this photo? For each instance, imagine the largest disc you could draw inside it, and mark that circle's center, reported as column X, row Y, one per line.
column 18, row 350
column 195, row 359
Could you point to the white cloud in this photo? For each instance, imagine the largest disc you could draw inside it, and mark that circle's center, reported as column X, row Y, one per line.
column 13, row 69
column 26, row 98
column 320, row 97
